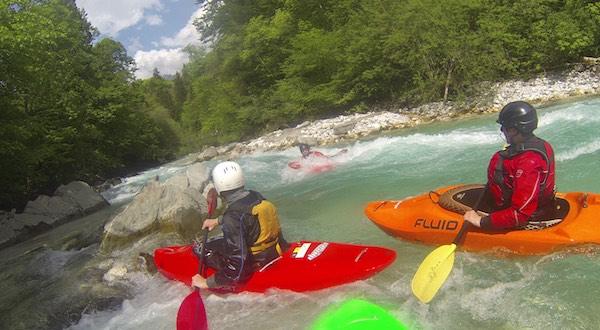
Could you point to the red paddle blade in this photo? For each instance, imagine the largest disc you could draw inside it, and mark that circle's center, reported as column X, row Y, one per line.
column 191, row 314
column 211, row 201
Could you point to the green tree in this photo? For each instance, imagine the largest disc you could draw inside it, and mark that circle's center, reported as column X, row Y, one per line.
column 179, row 95
column 160, row 91
column 70, row 109
column 45, row 53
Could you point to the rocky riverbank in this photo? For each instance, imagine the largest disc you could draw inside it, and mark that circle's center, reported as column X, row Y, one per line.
column 69, row 202
column 582, row 79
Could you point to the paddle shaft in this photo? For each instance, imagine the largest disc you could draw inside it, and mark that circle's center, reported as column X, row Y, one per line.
column 465, row 226
column 191, row 314
column 201, row 266
column 211, row 203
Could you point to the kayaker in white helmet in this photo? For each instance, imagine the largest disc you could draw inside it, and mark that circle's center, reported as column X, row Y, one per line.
column 251, row 232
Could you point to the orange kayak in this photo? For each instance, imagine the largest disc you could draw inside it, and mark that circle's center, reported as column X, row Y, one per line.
column 436, row 217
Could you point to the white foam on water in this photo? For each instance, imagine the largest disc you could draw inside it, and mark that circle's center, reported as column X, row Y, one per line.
column 154, row 306
column 131, row 186
column 571, row 114
column 580, row 150
column 157, row 301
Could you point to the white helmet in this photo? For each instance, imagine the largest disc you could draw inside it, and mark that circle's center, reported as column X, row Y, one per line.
column 228, row 176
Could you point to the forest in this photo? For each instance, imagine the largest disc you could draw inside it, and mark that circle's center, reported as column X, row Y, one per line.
column 72, row 109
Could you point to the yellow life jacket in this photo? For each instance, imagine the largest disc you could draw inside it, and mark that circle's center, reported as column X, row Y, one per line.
column 266, row 213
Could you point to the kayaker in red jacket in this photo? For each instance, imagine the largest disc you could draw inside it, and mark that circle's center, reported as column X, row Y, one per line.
column 306, row 152
column 309, row 155
column 521, row 178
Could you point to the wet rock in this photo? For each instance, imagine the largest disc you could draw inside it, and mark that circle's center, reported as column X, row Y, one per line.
column 69, row 202
column 343, row 128
column 104, row 186
column 147, row 262
column 209, row 153
column 118, row 271
column 52, row 208
column 308, row 140
column 177, row 205
column 7, row 235
column 198, row 176
column 82, row 195
column 225, row 149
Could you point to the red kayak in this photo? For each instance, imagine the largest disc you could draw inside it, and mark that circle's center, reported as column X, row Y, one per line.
column 305, row 266
column 312, row 167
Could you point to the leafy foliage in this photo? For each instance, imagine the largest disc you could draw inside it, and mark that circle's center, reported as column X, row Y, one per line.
column 70, row 108
column 275, row 63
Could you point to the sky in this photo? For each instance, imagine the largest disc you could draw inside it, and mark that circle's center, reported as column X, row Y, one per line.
column 154, row 32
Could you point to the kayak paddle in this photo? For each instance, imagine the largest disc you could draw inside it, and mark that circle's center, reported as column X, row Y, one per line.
column 191, row 314
column 435, row 268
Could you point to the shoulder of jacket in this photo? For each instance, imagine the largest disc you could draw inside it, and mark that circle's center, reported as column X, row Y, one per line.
column 247, row 203
column 530, row 158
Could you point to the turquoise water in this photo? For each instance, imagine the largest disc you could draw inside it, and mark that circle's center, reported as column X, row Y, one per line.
column 484, row 290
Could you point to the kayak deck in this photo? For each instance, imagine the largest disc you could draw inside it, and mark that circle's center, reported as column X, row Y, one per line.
column 305, row 266
column 422, row 219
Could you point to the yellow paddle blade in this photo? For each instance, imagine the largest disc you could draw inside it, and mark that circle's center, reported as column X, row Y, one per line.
column 432, row 272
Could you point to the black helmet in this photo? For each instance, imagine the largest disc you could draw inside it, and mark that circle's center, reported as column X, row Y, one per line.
column 303, row 146
column 520, row 115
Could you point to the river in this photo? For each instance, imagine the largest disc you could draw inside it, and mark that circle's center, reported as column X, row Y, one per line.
column 46, row 283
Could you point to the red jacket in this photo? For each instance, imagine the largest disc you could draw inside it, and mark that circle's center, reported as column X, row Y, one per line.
column 522, row 185
column 316, row 154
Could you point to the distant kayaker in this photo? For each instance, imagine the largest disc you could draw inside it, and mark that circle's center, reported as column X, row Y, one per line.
column 314, row 161
column 521, row 177
column 251, row 232
column 306, row 152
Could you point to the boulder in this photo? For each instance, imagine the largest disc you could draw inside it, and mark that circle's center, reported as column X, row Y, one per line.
column 69, row 202
column 55, row 209
column 344, row 128
column 310, row 140
column 82, row 195
column 7, row 236
column 177, row 205
column 198, row 175
column 30, row 220
column 209, row 153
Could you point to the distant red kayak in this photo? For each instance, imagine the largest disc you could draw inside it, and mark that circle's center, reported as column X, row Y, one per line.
column 323, row 165
column 305, row 266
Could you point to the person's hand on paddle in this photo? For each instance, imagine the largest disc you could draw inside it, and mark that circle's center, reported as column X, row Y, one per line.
column 199, row 282
column 210, row 224
column 473, row 217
